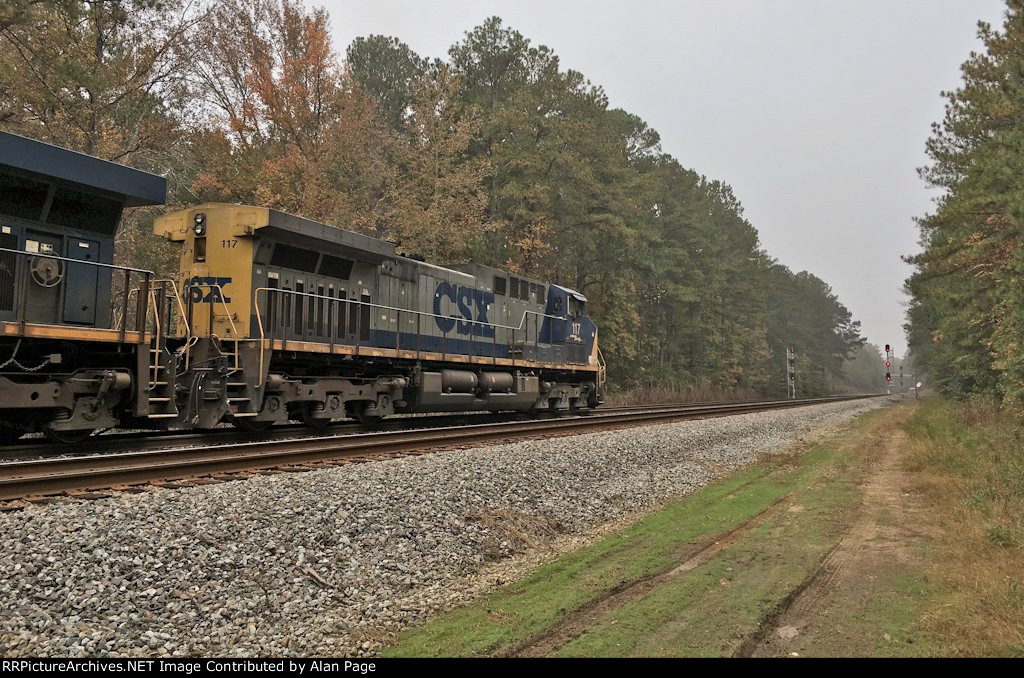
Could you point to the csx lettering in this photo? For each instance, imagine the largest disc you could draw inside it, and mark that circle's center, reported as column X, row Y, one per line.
column 212, row 292
column 465, row 299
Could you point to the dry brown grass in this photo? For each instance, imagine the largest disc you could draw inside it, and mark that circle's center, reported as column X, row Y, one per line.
column 968, row 460
column 521, row 531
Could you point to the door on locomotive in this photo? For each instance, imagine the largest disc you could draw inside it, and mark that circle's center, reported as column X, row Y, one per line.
column 82, row 286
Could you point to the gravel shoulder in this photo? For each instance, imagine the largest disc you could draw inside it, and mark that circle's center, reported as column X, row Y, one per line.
column 334, row 561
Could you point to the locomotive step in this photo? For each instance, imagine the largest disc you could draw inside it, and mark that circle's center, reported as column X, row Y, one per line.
column 160, row 400
column 162, row 416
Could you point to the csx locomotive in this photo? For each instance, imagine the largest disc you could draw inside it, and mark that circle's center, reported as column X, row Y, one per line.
column 270, row 317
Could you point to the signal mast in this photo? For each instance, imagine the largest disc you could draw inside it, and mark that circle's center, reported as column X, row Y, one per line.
column 888, row 369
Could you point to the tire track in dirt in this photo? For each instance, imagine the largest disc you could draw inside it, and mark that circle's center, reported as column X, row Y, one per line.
column 577, row 623
column 868, row 545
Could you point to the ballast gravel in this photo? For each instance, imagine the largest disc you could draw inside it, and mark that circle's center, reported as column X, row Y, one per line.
column 329, row 561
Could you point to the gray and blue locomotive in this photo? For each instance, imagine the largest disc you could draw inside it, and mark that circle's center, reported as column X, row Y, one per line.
column 318, row 323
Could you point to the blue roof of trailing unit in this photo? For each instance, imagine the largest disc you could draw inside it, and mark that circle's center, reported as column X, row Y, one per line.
column 135, row 187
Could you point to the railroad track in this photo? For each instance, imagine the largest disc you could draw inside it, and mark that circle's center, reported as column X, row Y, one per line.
column 137, row 441
column 82, row 476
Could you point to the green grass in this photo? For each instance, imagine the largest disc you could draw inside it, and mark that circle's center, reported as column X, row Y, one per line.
column 518, row 612
column 711, row 610
column 956, row 588
column 884, row 623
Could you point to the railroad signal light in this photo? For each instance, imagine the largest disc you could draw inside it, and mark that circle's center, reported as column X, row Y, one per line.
column 888, row 363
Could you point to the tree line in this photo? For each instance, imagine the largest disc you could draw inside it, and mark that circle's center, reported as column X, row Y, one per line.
column 965, row 322
column 496, row 153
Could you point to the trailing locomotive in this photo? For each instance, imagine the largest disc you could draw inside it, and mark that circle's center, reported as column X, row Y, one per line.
column 270, row 317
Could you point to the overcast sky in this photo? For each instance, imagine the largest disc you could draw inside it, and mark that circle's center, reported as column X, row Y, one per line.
column 815, row 111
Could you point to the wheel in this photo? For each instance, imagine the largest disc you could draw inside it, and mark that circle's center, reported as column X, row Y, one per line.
column 369, row 419
column 364, row 418
column 247, row 424
column 9, row 435
column 67, row 437
column 311, row 415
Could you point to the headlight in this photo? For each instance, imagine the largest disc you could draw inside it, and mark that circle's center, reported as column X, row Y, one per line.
column 199, row 228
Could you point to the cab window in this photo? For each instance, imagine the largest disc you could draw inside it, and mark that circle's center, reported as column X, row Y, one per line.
column 576, row 307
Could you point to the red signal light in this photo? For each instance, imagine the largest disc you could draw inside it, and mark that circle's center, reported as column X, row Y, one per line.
column 888, row 377
column 888, row 364
column 888, row 349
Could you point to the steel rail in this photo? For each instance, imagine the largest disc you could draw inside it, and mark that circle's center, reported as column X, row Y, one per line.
column 54, row 476
column 110, row 443
column 135, row 441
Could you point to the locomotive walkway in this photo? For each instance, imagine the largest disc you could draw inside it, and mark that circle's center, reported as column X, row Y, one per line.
column 87, row 476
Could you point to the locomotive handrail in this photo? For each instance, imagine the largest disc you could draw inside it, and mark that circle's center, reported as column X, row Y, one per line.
column 177, row 297
column 154, row 368
column 259, row 316
column 77, row 261
column 114, row 323
column 602, row 373
column 181, row 306
column 181, row 317
column 157, row 320
column 402, row 310
column 123, row 319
